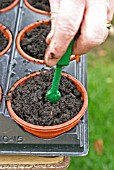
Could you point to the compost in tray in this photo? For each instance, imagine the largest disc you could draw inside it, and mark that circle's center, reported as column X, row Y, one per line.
column 3, row 42
column 40, row 4
column 5, row 3
column 30, row 104
column 34, row 42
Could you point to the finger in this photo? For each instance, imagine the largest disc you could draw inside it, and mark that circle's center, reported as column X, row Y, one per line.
column 67, row 24
column 93, row 28
column 54, row 4
column 110, row 10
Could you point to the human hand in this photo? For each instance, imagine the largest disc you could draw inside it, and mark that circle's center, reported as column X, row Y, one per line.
column 68, row 16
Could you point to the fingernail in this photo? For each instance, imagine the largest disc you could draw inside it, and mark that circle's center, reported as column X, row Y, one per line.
column 49, row 37
column 51, row 59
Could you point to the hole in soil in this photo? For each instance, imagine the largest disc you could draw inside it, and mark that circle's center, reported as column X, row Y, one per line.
column 3, row 42
column 30, row 104
column 5, row 3
column 40, row 4
column 34, row 42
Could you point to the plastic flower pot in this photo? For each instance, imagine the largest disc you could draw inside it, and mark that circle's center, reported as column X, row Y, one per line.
column 8, row 35
column 21, row 35
column 55, row 130
column 10, row 6
column 35, row 9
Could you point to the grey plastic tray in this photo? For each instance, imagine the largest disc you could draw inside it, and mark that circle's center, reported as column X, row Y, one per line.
column 13, row 139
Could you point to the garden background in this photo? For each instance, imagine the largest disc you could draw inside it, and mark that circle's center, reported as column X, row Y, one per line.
column 100, row 63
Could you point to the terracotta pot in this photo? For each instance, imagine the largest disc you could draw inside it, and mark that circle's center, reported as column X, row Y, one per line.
column 21, row 35
column 10, row 6
column 8, row 35
column 35, row 9
column 55, row 130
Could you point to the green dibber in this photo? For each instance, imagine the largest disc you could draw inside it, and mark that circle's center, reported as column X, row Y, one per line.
column 53, row 95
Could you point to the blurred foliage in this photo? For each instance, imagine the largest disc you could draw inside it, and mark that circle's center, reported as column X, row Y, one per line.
column 101, row 110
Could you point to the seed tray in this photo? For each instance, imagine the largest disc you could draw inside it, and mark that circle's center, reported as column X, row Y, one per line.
column 13, row 139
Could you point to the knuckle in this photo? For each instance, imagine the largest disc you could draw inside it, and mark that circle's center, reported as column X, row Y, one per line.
column 66, row 27
column 95, row 36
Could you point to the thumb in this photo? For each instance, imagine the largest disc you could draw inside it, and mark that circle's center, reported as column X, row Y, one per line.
column 68, row 21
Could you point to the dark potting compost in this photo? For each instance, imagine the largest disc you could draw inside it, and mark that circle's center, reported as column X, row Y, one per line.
column 34, row 43
column 5, row 3
column 31, row 105
column 3, row 42
column 40, row 4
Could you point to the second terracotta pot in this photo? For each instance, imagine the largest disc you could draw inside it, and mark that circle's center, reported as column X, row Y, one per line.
column 8, row 35
column 21, row 35
column 10, row 6
column 35, row 9
column 55, row 130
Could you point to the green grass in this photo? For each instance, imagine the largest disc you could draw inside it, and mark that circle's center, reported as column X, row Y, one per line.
column 101, row 110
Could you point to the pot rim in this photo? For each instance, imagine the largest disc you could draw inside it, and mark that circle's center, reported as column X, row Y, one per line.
column 35, row 9
column 10, row 6
column 8, row 35
column 21, row 35
column 25, row 124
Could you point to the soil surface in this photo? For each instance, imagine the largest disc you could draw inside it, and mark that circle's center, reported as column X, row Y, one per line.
column 3, row 42
column 34, row 43
column 5, row 3
column 30, row 104
column 40, row 4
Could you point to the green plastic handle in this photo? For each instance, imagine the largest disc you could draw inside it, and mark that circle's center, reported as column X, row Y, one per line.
column 53, row 95
column 64, row 61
